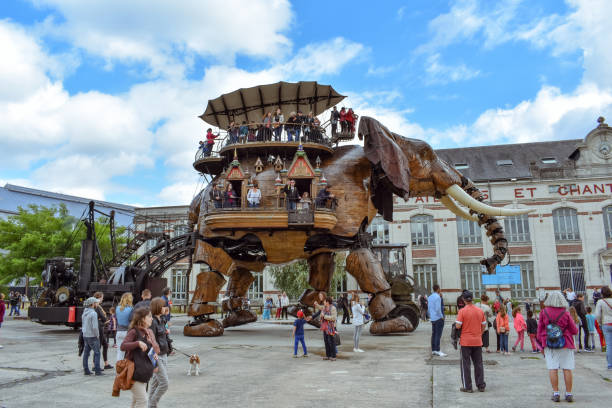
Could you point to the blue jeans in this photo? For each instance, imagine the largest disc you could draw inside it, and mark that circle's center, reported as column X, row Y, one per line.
column 291, row 204
column 91, row 343
column 503, row 338
column 14, row 309
column 436, row 333
column 299, row 338
column 607, row 332
column 290, row 135
column 253, row 205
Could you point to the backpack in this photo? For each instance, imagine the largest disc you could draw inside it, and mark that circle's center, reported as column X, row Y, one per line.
column 554, row 333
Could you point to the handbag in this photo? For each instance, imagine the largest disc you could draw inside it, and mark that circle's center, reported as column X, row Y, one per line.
column 337, row 339
column 143, row 367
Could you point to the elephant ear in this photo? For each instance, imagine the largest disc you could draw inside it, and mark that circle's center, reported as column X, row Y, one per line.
column 391, row 169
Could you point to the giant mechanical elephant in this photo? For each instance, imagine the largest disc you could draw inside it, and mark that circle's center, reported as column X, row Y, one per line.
column 364, row 180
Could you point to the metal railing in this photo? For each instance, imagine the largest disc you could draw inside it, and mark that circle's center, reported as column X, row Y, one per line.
column 279, row 204
column 261, row 133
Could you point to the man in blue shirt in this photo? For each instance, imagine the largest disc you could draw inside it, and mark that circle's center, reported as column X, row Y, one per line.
column 435, row 307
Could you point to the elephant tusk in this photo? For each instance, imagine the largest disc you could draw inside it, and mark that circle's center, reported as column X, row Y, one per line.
column 464, row 198
column 455, row 209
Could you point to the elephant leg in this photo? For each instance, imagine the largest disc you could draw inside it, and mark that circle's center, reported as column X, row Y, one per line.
column 321, row 268
column 368, row 272
column 237, row 288
column 207, row 289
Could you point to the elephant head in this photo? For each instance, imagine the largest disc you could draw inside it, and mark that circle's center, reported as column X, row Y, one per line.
column 410, row 168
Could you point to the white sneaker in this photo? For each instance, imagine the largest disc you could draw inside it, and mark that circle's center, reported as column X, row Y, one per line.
column 354, row 350
column 1, row 346
column 434, row 353
column 359, row 350
column 441, row 354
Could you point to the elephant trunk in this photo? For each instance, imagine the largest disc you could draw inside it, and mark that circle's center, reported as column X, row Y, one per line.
column 495, row 231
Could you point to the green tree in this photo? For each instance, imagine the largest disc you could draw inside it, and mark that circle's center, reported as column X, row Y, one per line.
column 293, row 278
column 38, row 233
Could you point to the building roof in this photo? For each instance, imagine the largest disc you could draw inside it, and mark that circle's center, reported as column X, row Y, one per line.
column 12, row 197
column 512, row 161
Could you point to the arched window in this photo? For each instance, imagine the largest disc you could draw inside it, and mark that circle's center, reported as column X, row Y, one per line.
column 422, row 230
column 565, row 221
column 517, row 228
column 607, row 216
column 468, row 232
column 379, row 229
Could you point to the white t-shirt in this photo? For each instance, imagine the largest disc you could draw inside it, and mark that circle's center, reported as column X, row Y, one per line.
column 571, row 296
column 253, row 197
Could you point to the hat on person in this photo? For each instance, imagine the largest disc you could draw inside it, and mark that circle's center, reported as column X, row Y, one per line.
column 300, row 314
column 467, row 295
column 90, row 301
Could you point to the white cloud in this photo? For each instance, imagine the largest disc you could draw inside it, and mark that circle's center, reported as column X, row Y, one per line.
column 439, row 73
column 166, row 35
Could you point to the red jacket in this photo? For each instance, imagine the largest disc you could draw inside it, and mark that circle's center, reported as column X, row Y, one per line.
column 210, row 137
column 2, row 310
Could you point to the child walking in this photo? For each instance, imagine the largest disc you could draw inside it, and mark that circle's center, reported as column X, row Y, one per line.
column 111, row 327
column 532, row 330
column 590, row 318
column 503, row 327
column 298, row 334
column 576, row 319
column 520, row 326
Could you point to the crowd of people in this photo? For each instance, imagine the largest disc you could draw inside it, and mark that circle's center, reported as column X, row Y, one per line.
column 141, row 335
column 563, row 326
column 274, row 127
column 228, row 197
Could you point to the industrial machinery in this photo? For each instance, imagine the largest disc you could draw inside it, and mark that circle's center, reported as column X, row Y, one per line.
column 64, row 287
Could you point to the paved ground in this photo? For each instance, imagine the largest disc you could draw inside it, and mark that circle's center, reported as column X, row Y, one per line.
column 251, row 366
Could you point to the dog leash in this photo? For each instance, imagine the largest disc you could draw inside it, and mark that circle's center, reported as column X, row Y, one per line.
column 182, row 352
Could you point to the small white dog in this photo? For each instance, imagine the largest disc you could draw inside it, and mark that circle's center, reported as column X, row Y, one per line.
column 194, row 365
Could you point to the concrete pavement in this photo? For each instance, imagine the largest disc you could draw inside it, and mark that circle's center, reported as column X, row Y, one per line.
column 252, row 366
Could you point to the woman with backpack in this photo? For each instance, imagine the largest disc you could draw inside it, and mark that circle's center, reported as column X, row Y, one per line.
column 556, row 331
column 137, row 345
column 603, row 315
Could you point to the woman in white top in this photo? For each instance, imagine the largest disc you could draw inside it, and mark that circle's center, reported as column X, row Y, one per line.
column 358, row 320
column 254, row 195
column 603, row 314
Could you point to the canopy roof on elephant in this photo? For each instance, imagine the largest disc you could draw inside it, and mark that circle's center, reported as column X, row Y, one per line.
column 251, row 104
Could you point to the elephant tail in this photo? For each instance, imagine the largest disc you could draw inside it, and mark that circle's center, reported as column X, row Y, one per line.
column 495, row 231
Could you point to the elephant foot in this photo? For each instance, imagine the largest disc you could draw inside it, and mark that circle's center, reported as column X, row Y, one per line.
column 239, row 317
column 209, row 328
column 395, row 325
column 293, row 309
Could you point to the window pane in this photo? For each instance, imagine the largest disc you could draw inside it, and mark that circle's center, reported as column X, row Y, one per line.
column 471, row 278
column 565, row 222
column 607, row 216
column 425, row 276
column 517, row 228
column 527, row 289
column 379, row 229
column 422, row 231
column 256, row 288
column 571, row 274
column 468, row 232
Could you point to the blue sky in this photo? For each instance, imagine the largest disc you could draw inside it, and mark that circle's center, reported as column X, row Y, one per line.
column 101, row 98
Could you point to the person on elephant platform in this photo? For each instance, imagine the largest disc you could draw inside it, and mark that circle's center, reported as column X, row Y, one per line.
column 277, row 124
column 342, row 117
column 244, row 130
column 293, row 195
column 291, row 127
column 210, row 141
column 216, row 196
column 350, row 121
column 333, row 119
column 231, row 199
column 324, row 196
